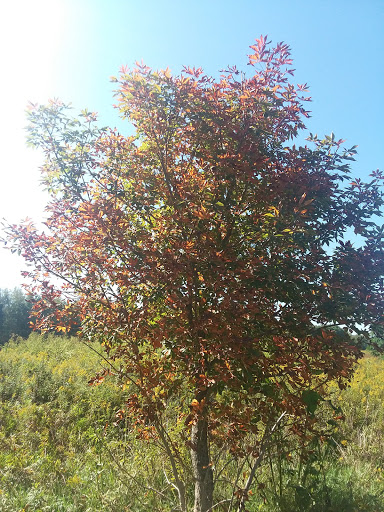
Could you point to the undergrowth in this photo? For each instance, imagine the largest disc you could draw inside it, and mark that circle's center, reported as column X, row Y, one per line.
column 62, row 450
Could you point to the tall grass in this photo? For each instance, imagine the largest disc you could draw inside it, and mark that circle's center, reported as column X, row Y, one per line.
column 56, row 451
column 60, row 449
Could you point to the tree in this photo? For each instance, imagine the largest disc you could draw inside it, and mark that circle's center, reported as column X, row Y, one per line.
column 14, row 314
column 208, row 251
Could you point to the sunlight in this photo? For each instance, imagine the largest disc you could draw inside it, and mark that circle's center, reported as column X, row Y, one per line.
column 31, row 35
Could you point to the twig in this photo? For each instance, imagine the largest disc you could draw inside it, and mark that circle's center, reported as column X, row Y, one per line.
column 259, row 460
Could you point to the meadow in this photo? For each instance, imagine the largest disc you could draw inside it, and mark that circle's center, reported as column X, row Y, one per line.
column 61, row 448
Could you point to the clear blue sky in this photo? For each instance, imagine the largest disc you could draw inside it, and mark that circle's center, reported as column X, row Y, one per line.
column 69, row 49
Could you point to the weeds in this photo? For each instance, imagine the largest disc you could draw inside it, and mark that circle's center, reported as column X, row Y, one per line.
column 59, row 450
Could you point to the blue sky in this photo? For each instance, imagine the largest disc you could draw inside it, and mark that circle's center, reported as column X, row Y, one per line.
column 70, row 48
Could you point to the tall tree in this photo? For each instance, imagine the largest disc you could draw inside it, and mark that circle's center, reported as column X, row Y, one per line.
column 208, row 250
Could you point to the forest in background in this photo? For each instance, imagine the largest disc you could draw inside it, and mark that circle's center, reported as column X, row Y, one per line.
column 14, row 314
column 15, row 311
column 62, row 447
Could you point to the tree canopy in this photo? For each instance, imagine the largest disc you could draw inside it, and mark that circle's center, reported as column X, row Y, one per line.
column 209, row 251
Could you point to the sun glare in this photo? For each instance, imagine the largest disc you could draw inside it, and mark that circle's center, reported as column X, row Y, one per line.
column 30, row 36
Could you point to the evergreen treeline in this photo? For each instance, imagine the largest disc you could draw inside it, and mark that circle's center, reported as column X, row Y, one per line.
column 14, row 314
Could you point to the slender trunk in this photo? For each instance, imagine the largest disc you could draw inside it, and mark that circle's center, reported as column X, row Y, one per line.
column 179, row 484
column 201, row 464
column 258, row 461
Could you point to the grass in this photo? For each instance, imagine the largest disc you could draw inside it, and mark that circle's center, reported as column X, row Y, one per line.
column 60, row 450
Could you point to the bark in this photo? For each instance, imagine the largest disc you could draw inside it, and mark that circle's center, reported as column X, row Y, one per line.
column 202, row 468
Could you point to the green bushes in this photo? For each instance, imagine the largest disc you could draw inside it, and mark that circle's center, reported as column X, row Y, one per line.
column 60, row 450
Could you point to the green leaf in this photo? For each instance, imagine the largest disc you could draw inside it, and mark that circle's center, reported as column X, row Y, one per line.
column 311, row 399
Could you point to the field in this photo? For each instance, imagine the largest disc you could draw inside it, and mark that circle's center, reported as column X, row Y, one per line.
column 61, row 448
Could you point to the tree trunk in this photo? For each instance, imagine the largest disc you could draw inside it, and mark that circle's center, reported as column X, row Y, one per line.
column 202, row 468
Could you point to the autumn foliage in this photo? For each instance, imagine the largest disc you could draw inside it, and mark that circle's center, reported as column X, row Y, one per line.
column 209, row 251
